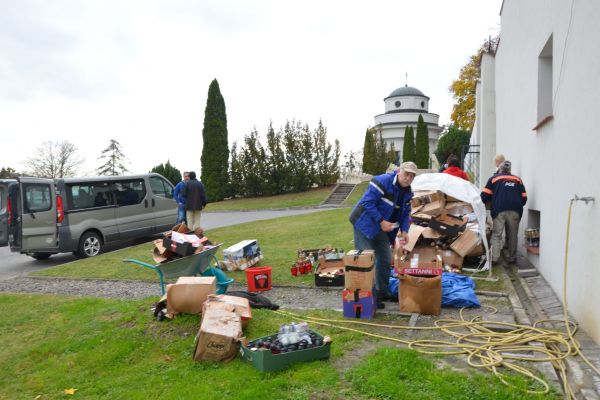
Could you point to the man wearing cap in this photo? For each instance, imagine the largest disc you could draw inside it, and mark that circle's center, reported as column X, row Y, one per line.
column 508, row 196
column 383, row 213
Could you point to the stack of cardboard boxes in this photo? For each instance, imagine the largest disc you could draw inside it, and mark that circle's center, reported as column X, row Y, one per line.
column 179, row 242
column 358, row 296
column 443, row 232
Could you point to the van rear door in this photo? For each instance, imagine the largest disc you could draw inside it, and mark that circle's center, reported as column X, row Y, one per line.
column 37, row 216
column 4, row 183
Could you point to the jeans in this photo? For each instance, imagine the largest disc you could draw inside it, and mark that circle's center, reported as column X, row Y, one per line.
column 181, row 215
column 383, row 259
column 508, row 220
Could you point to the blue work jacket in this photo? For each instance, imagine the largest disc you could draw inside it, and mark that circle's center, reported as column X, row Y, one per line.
column 383, row 197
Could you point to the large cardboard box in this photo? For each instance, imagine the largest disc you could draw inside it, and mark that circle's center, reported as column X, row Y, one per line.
column 434, row 208
column 466, row 243
column 429, row 257
column 359, row 303
column 241, row 305
column 359, row 269
column 329, row 272
column 219, row 335
column 189, row 293
column 448, row 224
column 421, row 294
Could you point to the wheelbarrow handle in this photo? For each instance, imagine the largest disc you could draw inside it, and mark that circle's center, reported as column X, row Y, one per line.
column 152, row 267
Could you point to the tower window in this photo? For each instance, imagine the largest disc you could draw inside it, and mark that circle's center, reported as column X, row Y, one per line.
column 422, row 104
column 397, row 104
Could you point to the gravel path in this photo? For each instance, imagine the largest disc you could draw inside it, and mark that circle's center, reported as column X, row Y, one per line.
column 287, row 297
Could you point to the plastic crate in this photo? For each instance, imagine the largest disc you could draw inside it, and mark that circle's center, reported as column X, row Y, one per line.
column 265, row 361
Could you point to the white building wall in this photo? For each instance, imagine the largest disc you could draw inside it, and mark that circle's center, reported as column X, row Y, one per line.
column 406, row 116
column 558, row 160
column 407, row 102
column 487, row 118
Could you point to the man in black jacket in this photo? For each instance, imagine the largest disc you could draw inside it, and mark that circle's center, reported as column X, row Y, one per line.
column 508, row 196
column 195, row 196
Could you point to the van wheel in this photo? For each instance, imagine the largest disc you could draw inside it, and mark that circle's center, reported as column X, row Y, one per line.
column 90, row 245
column 41, row 256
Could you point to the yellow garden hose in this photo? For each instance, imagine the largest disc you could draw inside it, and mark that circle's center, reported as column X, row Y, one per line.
column 487, row 348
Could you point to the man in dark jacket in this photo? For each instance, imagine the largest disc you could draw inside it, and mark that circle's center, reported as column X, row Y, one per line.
column 195, row 200
column 383, row 213
column 508, row 196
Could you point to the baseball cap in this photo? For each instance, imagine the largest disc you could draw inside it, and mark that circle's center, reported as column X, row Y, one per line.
column 409, row 166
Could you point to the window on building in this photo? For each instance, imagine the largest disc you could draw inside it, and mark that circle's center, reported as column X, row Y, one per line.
column 422, row 104
column 398, row 104
column 544, row 92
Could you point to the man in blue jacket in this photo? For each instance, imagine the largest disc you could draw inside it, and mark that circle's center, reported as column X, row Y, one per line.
column 383, row 213
column 180, row 199
column 508, row 196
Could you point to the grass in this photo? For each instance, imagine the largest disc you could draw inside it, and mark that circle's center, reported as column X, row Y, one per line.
column 312, row 197
column 114, row 349
column 279, row 239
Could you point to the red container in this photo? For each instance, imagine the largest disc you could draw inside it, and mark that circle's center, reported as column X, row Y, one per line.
column 258, row 279
column 294, row 270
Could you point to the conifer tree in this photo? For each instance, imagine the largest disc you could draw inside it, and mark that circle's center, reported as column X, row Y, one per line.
column 236, row 172
column 422, row 144
column 114, row 160
column 167, row 170
column 408, row 147
column 368, row 151
column 215, row 147
column 276, row 167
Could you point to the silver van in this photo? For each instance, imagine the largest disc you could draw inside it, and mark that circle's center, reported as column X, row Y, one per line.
column 40, row 217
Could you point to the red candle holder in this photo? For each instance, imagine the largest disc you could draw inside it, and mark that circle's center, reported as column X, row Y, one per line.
column 294, row 270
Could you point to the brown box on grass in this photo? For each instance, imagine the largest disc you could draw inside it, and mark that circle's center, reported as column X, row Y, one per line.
column 241, row 305
column 421, row 294
column 359, row 270
column 219, row 335
column 466, row 243
column 189, row 293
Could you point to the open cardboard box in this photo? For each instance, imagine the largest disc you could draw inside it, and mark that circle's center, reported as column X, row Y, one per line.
column 429, row 257
column 219, row 335
column 189, row 293
column 329, row 272
column 466, row 243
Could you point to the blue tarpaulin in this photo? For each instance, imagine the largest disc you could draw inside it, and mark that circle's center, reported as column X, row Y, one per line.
column 457, row 290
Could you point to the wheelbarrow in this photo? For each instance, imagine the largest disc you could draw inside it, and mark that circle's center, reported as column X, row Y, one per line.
column 204, row 263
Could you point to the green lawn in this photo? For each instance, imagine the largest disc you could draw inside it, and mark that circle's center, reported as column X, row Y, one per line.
column 113, row 349
column 312, row 197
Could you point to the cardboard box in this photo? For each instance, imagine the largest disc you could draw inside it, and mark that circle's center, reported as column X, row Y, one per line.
column 241, row 305
column 466, row 242
column 452, row 259
column 243, row 254
column 421, row 294
column 434, row 208
column 422, row 197
column 422, row 271
column 359, row 303
column 448, row 224
column 429, row 257
column 189, row 293
column 359, row 269
column 329, row 272
column 219, row 335
column 414, row 233
column 479, row 250
column 183, row 249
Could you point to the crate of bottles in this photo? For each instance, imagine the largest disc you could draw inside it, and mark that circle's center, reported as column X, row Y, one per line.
column 270, row 354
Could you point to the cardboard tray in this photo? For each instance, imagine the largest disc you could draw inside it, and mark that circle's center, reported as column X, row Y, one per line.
column 333, row 265
column 448, row 224
column 266, row 361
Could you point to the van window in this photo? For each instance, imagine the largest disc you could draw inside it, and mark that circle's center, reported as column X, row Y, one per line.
column 129, row 192
column 161, row 187
column 89, row 195
column 37, row 197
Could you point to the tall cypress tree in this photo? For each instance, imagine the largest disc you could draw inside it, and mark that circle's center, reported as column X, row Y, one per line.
column 408, row 148
column 215, row 148
column 369, row 152
column 422, row 144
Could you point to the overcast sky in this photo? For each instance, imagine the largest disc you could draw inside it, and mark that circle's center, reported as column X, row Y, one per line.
column 139, row 71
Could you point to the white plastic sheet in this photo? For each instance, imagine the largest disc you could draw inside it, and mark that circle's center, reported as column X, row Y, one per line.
column 461, row 190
